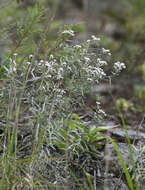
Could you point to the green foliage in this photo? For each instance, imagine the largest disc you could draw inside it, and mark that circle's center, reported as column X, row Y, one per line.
column 141, row 68
column 45, row 121
column 140, row 93
column 131, row 28
column 81, row 137
column 128, row 176
column 125, row 104
column 27, row 27
column 40, row 97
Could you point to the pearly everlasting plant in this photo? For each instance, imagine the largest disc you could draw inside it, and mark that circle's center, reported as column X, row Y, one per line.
column 66, row 76
column 45, row 101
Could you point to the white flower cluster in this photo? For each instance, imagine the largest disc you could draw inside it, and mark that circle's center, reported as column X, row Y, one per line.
column 94, row 73
column 77, row 46
column 101, row 62
column 12, row 67
column 72, row 69
column 118, row 66
column 53, row 68
column 70, row 32
column 94, row 38
column 106, row 51
column 77, row 58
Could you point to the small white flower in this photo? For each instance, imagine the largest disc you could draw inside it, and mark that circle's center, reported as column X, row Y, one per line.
column 98, row 103
column 63, row 91
column 87, row 59
column 47, row 63
column 14, row 69
column 31, row 56
column 55, row 182
column 64, row 63
column 89, row 79
column 102, row 112
column 95, row 38
column 51, row 56
column 28, row 63
column 15, row 54
column 69, row 68
column 60, row 70
column 48, row 76
column 77, row 46
column 14, row 62
column 70, row 32
column 119, row 66
column 99, row 72
column 88, row 41
column 106, row 51
column 101, row 63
